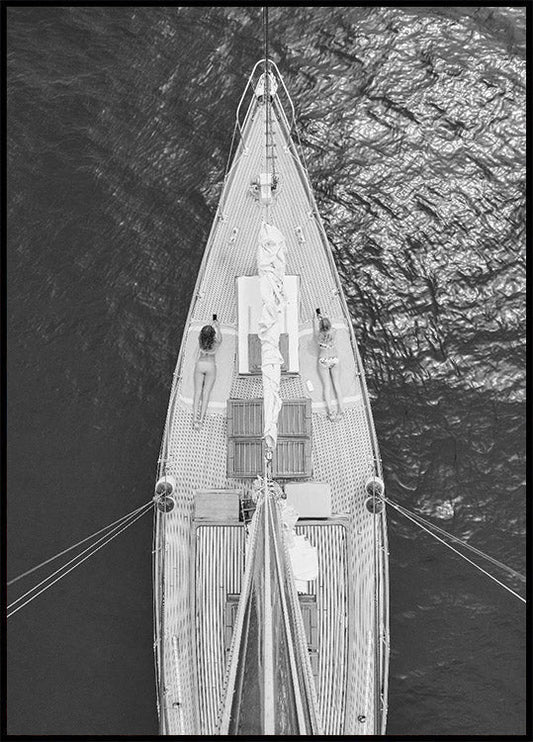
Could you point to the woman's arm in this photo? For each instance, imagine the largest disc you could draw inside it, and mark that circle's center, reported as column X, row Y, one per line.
column 218, row 334
column 316, row 324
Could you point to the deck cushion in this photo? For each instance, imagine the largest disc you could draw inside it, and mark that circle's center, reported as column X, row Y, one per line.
column 309, row 499
column 217, row 505
column 248, row 314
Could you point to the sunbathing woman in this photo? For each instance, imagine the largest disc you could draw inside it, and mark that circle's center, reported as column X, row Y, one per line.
column 205, row 371
column 328, row 362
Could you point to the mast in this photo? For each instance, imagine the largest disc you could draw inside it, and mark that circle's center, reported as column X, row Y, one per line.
column 269, row 686
column 269, row 181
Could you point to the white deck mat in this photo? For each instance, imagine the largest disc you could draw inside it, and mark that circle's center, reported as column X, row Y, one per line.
column 224, row 359
column 349, row 381
column 249, row 307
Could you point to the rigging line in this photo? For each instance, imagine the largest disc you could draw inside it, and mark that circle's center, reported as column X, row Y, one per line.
column 434, row 535
column 265, row 37
column 76, row 565
column 144, row 508
column 267, row 85
column 51, row 559
column 270, row 102
column 466, row 545
column 265, row 27
column 290, row 632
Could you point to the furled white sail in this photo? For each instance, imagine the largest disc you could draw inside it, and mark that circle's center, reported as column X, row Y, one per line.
column 302, row 554
column 271, row 270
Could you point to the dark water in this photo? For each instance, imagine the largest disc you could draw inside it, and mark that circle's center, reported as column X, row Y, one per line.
column 119, row 125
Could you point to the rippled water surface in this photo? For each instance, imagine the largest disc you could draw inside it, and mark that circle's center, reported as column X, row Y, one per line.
column 119, row 125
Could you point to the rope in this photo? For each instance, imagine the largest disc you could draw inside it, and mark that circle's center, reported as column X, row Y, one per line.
column 466, row 545
column 147, row 507
column 265, row 30
column 291, row 649
column 69, row 562
column 269, row 101
column 267, row 87
column 47, row 561
column 223, row 720
column 269, row 139
column 494, row 579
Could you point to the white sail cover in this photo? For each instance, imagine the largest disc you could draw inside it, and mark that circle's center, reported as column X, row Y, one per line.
column 271, row 270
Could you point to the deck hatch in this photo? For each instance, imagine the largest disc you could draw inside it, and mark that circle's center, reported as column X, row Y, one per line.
column 292, row 457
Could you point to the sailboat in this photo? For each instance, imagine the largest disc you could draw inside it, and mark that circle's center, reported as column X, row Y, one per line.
column 270, row 561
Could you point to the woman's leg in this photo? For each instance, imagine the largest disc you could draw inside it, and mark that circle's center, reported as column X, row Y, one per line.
column 326, row 386
column 336, row 382
column 210, row 376
column 199, row 379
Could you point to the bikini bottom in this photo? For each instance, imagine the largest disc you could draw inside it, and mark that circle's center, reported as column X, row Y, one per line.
column 328, row 362
column 205, row 365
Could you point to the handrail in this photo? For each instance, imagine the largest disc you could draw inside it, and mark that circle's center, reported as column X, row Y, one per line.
column 271, row 64
column 261, row 61
column 385, row 611
column 377, row 633
column 286, row 92
column 175, row 652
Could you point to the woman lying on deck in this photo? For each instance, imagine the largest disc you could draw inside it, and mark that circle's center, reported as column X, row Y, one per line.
column 205, row 371
column 328, row 362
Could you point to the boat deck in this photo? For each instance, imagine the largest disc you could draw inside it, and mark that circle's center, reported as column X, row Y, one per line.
column 219, row 565
column 210, row 557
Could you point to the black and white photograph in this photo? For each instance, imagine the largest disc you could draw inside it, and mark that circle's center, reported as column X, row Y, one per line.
column 265, row 380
